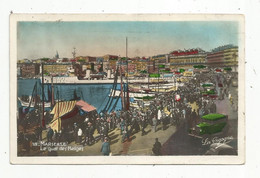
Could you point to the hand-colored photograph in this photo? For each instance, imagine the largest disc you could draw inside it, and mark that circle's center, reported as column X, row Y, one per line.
column 128, row 88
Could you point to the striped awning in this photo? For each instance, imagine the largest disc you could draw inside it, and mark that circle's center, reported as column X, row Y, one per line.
column 85, row 106
column 56, row 125
column 62, row 108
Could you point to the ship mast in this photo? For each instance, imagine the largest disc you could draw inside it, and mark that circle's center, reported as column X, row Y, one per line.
column 158, row 75
column 121, row 82
column 74, row 53
column 127, row 92
column 52, row 92
column 43, row 121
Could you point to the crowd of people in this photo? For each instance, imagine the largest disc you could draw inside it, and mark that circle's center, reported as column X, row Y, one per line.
column 164, row 110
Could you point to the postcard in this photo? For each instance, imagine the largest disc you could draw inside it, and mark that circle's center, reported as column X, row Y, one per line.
column 127, row 89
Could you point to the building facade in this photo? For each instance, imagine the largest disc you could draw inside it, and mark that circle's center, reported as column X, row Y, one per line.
column 84, row 59
column 109, row 57
column 141, row 65
column 131, row 68
column 223, row 56
column 187, row 58
column 56, row 68
column 29, row 70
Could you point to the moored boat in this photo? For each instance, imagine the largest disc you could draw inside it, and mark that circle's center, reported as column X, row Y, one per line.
column 138, row 95
column 27, row 103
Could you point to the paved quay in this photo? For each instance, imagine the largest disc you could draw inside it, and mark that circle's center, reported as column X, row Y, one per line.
column 136, row 145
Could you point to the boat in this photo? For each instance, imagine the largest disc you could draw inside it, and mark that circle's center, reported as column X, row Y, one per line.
column 138, row 95
column 134, row 88
column 168, row 89
column 27, row 103
column 137, row 103
column 100, row 80
column 96, row 76
column 34, row 99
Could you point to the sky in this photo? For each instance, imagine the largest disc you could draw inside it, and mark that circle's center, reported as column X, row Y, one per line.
column 42, row 39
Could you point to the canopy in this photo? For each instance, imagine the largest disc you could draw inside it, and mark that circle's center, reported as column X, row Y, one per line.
column 67, row 109
column 85, row 106
column 62, row 108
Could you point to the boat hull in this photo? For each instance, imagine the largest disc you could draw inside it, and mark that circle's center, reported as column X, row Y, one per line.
column 26, row 104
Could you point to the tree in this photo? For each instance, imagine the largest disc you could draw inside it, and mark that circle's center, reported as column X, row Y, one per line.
column 45, row 59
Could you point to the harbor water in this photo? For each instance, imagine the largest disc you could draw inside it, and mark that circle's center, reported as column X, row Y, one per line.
column 94, row 94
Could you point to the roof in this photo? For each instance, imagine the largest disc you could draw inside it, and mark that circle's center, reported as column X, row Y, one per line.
column 85, row 106
column 62, row 108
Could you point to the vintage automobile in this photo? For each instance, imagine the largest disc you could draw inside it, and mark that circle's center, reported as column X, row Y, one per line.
column 213, row 124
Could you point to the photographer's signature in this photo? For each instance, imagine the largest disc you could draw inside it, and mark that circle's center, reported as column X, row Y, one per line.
column 220, row 141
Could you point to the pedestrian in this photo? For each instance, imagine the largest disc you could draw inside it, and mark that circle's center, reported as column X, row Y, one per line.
column 193, row 118
column 61, row 135
column 91, row 133
column 105, row 148
column 184, row 113
column 125, row 134
column 75, row 132
column 106, row 129
column 38, row 133
column 79, row 135
column 87, row 133
column 154, row 123
column 27, row 141
column 50, row 135
column 143, row 123
column 112, row 121
column 134, row 126
column 172, row 115
column 122, row 124
column 109, row 124
column 56, row 136
column 164, row 120
column 102, row 130
column 157, row 148
column 159, row 115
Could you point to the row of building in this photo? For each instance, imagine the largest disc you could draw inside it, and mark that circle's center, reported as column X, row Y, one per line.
column 223, row 56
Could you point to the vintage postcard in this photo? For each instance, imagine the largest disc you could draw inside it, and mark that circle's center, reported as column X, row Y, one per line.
column 127, row 89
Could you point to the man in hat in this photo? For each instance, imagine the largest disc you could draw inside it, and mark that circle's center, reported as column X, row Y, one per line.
column 105, row 148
